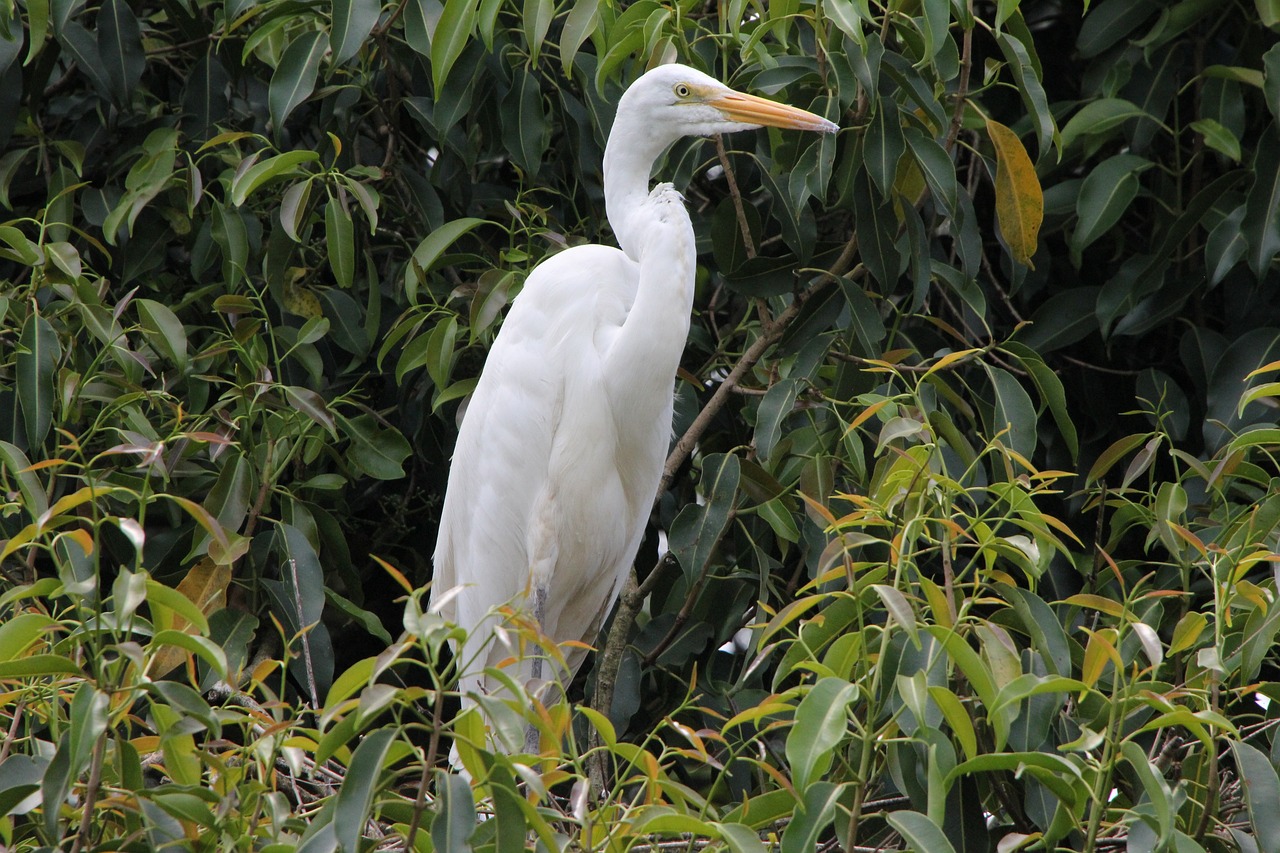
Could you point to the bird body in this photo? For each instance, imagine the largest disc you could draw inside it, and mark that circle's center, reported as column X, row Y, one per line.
column 562, row 445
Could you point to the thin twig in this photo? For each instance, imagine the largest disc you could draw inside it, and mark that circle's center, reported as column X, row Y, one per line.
column 736, row 195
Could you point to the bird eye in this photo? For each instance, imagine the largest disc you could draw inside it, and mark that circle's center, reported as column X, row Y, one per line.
column 681, row 90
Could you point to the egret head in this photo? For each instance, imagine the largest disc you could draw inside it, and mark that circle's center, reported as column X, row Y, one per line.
column 677, row 100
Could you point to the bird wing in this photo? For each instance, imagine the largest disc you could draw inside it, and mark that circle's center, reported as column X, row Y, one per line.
column 517, row 444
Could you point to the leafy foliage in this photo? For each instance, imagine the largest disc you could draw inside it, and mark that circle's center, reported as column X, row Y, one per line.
column 972, row 513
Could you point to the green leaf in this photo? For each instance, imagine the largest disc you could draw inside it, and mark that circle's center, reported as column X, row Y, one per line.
column 821, row 723
column 920, row 833
column 1218, row 138
column 1013, row 410
column 582, row 21
column 884, row 145
column 311, row 404
column 439, row 354
column 877, row 228
column 281, row 165
column 811, row 818
column 165, row 331
column 15, row 464
column 536, row 20
column 938, row 169
column 775, row 406
column 82, row 46
column 120, row 48
column 697, row 529
column 431, row 248
column 339, row 235
column 353, row 805
column 38, row 665
column 1030, row 88
column 353, row 20
column 1261, row 226
column 527, row 133
column 87, row 716
column 455, row 820
column 900, row 609
column 293, row 208
column 20, row 632
column 1261, row 794
column 1156, row 787
column 1105, row 195
column 378, row 452
column 295, row 77
column 1098, row 118
column 454, row 29
column 36, row 361
column 1271, row 81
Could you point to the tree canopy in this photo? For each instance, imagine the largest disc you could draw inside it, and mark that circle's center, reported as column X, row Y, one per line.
column 971, row 524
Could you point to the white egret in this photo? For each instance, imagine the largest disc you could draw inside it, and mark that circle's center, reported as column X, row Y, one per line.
column 562, row 445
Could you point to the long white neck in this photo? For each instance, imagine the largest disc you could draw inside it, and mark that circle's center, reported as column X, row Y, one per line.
column 629, row 155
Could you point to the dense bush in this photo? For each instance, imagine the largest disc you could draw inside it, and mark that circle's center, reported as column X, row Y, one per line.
column 972, row 508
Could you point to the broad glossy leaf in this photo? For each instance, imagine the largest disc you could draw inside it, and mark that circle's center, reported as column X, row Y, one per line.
column 36, row 361
column 1105, row 196
column 1109, row 22
column 353, row 805
column 821, row 723
column 776, row 405
column 526, row 133
column 295, row 77
column 811, row 818
column 936, row 166
column 1218, row 138
column 1097, row 118
column 1226, row 246
column 353, row 20
column 1019, row 57
column 1261, row 793
column 884, row 145
column 1271, row 80
column 279, row 166
column 537, row 20
column 582, row 21
column 456, row 24
column 165, row 331
column 877, row 228
column 1013, row 410
column 340, row 242
column 455, row 820
column 378, row 452
column 15, row 464
column 698, row 529
column 81, row 44
column 21, row 632
column 1261, row 226
column 1019, row 199
column 120, row 47
column 431, row 248
column 920, row 832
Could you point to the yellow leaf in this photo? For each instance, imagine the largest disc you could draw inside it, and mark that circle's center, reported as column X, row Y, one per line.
column 1097, row 653
column 206, row 586
column 1019, row 200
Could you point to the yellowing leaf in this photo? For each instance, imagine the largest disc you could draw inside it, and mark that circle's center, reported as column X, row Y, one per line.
column 1019, row 200
column 206, row 586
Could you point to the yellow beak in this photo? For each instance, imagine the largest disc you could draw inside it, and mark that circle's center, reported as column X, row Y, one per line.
column 749, row 109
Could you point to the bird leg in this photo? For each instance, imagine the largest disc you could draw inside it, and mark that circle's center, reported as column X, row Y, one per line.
column 531, row 739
